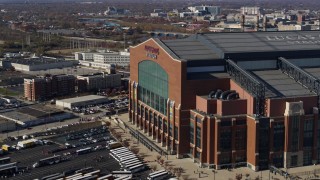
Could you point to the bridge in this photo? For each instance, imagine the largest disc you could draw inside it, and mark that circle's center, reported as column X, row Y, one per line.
column 167, row 34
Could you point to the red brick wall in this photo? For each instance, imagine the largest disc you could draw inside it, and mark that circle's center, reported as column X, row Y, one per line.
column 244, row 95
column 171, row 66
column 252, row 146
column 231, row 107
column 276, row 107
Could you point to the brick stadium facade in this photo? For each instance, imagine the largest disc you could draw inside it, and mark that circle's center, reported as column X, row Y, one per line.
column 230, row 99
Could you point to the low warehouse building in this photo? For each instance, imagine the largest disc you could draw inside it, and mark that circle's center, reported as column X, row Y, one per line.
column 81, row 101
column 6, row 125
column 35, row 115
column 37, row 64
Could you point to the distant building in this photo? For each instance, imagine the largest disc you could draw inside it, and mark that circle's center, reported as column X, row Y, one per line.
column 33, row 115
column 36, row 63
column 160, row 14
column 109, row 68
column 43, row 88
column 101, row 81
column 189, row 14
column 86, row 56
column 117, row 58
column 81, row 101
column 293, row 27
column 115, row 11
column 213, row 10
column 251, row 10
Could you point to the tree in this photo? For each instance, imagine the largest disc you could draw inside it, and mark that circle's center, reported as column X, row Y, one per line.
column 153, row 167
column 166, row 164
column 178, row 174
column 238, row 176
column 117, row 136
column 108, row 124
column 126, row 143
column 135, row 150
column 40, row 51
column 170, row 168
column 158, row 157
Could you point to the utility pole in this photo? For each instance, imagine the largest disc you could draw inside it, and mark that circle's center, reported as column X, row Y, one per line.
column 124, row 41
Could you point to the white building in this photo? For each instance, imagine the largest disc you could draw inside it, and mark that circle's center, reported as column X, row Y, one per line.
column 81, row 101
column 251, row 10
column 117, row 58
column 213, row 10
column 86, row 56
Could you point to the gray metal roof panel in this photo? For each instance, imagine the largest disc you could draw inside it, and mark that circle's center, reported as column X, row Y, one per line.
column 313, row 71
column 248, row 42
column 279, row 84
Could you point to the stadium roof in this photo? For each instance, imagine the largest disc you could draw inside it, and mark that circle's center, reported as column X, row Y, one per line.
column 280, row 85
column 210, row 46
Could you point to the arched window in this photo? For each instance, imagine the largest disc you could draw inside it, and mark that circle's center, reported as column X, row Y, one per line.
column 153, row 85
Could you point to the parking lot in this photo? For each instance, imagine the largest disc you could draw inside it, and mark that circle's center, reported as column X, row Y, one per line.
column 114, row 106
column 66, row 144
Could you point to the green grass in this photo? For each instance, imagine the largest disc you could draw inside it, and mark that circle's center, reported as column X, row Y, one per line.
column 5, row 91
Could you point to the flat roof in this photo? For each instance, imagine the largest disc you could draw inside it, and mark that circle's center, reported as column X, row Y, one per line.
column 265, row 41
column 36, row 61
column 30, row 113
column 211, row 46
column 280, row 85
column 315, row 72
column 83, row 99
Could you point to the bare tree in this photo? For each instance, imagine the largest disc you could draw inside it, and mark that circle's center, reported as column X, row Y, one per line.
column 153, row 167
column 158, row 157
column 126, row 143
column 178, row 174
column 161, row 161
column 238, row 176
column 135, row 150
column 170, row 168
column 108, row 124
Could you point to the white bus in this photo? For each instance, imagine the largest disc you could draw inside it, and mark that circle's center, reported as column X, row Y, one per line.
column 157, row 172
column 158, row 176
column 96, row 172
column 123, row 178
column 74, row 175
column 83, row 151
column 132, row 164
column 123, row 152
column 129, row 161
column 119, row 149
column 106, row 177
column 118, row 174
column 122, row 157
column 136, row 168
column 127, row 158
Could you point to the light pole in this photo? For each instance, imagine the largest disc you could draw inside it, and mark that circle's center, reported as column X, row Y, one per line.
column 7, row 127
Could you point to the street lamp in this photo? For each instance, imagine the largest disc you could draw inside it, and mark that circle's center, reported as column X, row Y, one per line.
column 214, row 174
